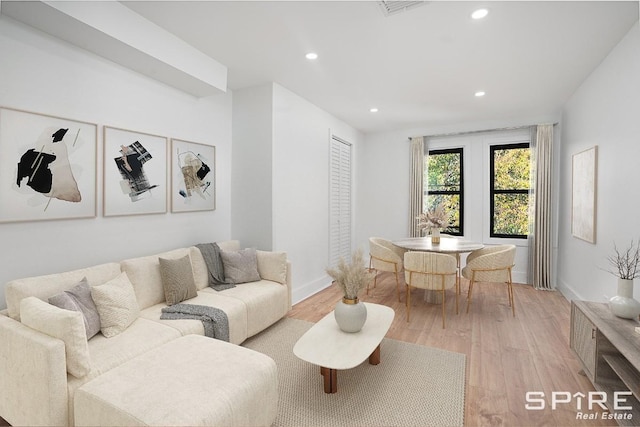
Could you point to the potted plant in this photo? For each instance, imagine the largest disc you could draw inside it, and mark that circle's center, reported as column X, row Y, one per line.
column 434, row 221
column 625, row 265
column 351, row 278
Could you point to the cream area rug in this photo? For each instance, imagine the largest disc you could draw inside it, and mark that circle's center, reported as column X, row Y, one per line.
column 413, row 385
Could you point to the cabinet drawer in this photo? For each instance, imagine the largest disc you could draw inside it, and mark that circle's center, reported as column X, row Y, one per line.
column 583, row 340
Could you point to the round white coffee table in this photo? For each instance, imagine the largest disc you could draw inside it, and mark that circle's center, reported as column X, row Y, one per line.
column 330, row 348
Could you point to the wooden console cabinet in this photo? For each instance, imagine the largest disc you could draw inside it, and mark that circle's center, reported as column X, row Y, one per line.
column 609, row 349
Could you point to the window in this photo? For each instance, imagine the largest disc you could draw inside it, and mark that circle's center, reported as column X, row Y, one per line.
column 509, row 190
column 444, row 184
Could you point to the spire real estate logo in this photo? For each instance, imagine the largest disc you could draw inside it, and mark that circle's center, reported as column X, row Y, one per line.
column 589, row 406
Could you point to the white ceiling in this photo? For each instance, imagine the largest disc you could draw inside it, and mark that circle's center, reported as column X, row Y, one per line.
column 420, row 67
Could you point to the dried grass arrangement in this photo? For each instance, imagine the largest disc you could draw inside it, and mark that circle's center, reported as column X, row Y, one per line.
column 438, row 219
column 351, row 277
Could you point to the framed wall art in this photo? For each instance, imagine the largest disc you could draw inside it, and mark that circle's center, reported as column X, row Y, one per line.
column 583, row 196
column 135, row 173
column 47, row 167
column 193, row 171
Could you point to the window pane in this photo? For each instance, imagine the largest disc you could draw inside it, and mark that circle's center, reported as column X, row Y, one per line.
column 451, row 203
column 511, row 214
column 511, row 168
column 444, row 172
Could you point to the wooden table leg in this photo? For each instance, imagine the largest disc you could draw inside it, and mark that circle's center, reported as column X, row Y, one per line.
column 374, row 359
column 330, row 379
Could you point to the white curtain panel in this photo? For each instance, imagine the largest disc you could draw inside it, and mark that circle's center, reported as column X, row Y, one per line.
column 540, row 268
column 416, row 183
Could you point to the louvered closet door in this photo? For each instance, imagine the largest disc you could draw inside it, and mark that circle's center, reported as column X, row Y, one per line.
column 340, row 201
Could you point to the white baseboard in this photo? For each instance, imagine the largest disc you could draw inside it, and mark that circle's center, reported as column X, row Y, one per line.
column 305, row 291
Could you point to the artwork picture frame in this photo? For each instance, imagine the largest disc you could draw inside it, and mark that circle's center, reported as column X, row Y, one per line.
column 584, row 169
column 193, row 176
column 135, row 172
column 48, row 167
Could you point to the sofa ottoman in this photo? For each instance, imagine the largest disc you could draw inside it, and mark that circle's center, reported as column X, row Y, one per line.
column 192, row 380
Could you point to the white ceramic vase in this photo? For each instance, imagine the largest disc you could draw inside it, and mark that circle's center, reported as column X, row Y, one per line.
column 623, row 305
column 350, row 314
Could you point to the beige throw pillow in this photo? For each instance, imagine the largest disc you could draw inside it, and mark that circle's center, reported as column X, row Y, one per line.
column 65, row 325
column 117, row 305
column 272, row 266
column 240, row 266
column 177, row 279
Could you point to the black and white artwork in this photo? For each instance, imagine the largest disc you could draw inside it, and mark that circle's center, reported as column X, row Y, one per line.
column 193, row 168
column 47, row 167
column 135, row 173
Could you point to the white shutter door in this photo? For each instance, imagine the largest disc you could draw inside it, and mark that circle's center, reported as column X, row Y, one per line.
column 340, row 201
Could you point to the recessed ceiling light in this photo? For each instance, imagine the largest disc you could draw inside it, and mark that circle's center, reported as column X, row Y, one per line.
column 480, row 93
column 311, row 55
column 480, row 13
column 373, row 110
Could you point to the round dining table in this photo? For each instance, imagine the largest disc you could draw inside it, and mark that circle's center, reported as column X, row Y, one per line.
column 448, row 245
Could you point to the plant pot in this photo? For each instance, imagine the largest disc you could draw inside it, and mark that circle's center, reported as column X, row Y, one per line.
column 350, row 314
column 435, row 236
column 623, row 305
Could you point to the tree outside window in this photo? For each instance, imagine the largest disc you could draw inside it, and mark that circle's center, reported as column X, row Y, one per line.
column 509, row 190
column 444, row 184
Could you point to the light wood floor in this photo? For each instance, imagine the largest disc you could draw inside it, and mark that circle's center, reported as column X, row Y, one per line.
column 506, row 356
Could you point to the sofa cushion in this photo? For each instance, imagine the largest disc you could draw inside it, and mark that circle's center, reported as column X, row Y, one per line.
column 240, row 266
column 107, row 353
column 235, row 310
column 272, row 266
column 79, row 299
column 196, row 381
column 200, row 270
column 144, row 273
column 117, row 305
column 65, row 325
column 266, row 303
column 229, row 245
column 177, row 279
column 45, row 286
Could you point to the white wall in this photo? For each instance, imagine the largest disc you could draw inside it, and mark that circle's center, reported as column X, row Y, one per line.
column 251, row 178
column 42, row 74
column 301, row 133
column 604, row 111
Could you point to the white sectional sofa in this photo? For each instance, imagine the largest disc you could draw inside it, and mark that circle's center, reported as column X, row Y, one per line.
column 36, row 388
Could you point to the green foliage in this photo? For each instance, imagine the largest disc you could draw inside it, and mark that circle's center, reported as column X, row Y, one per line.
column 512, row 169
column 511, row 211
column 443, row 174
column 511, row 214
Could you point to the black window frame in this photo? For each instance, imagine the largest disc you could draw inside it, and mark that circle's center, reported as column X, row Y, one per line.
column 460, row 152
column 493, row 191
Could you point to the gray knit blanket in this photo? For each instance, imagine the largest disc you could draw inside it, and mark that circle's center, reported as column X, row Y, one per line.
column 214, row 320
column 211, row 254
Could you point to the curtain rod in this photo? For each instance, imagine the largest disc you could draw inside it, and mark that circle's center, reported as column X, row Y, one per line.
column 439, row 135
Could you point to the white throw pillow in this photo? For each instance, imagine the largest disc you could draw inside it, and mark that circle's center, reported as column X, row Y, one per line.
column 65, row 325
column 272, row 266
column 117, row 305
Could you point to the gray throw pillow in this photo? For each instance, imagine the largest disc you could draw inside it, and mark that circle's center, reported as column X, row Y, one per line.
column 79, row 299
column 177, row 279
column 240, row 266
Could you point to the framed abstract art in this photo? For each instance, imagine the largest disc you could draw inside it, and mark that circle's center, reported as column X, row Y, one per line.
column 135, row 173
column 47, row 167
column 193, row 170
